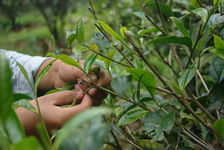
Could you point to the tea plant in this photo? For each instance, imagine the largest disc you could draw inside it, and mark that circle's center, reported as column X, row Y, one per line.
column 167, row 75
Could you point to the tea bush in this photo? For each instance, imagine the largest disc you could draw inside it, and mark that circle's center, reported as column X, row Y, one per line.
column 166, row 63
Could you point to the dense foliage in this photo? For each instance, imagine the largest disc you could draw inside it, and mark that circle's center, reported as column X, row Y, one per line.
column 166, row 63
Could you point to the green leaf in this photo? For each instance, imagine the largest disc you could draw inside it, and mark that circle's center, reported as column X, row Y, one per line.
column 131, row 116
column 13, row 127
column 78, row 120
column 166, row 10
column 146, row 31
column 25, row 104
column 202, row 12
column 110, row 30
column 71, row 38
column 123, row 31
column 216, row 2
column 173, row 39
column 66, row 59
column 23, row 70
column 27, row 144
column 121, row 84
column 214, row 20
column 194, row 3
column 148, row 80
column 5, row 87
column 89, row 62
column 180, row 26
column 53, row 91
column 166, row 123
column 151, row 121
column 219, row 43
column 218, row 125
column 90, row 136
column 218, row 66
column 43, row 72
column 4, row 142
column 52, row 43
column 80, row 32
column 19, row 96
column 186, row 76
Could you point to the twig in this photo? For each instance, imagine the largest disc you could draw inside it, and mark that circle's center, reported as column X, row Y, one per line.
column 202, row 80
column 161, row 16
column 177, row 57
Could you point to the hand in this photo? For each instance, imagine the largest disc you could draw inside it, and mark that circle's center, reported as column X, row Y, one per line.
column 53, row 115
column 60, row 73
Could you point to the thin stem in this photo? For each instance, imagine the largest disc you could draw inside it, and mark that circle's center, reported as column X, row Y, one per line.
column 161, row 16
column 149, row 19
column 203, row 81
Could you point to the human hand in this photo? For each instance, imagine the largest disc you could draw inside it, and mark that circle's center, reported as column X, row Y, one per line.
column 53, row 115
column 61, row 73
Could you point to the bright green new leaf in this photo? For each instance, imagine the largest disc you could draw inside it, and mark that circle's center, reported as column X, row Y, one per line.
column 166, row 10
column 121, row 84
column 146, row 31
column 23, row 70
column 194, row 3
column 219, row 43
column 66, row 59
column 218, row 125
column 131, row 116
column 186, row 76
column 53, row 91
column 110, row 30
column 25, row 104
column 216, row 2
column 52, row 43
column 5, row 87
column 71, row 38
column 80, row 32
column 27, row 144
column 89, row 62
column 202, row 12
column 148, row 80
column 78, row 120
column 180, row 26
column 43, row 72
column 173, row 39
column 123, row 31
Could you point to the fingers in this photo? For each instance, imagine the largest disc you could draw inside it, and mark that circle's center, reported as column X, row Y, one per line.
column 62, row 97
column 71, row 111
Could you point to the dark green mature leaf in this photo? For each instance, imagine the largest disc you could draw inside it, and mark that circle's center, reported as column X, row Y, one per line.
column 186, row 76
column 216, row 93
column 180, row 26
column 166, row 123
column 218, row 125
column 218, row 66
column 89, row 62
column 19, row 96
column 27, row 144
column 77, row 120
column 121, row 84
column 173, row 39
column 25, row 104
column 166, row 10
column 202, row 12
column 147, row 31
column 5, row 87
column 13, row 127
column 131, row 116
column 71, row 38
column 43, row 72
column 4, row 142
column 214, row 20
column 151, row 121
column 148, row 80
column 80, row 32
